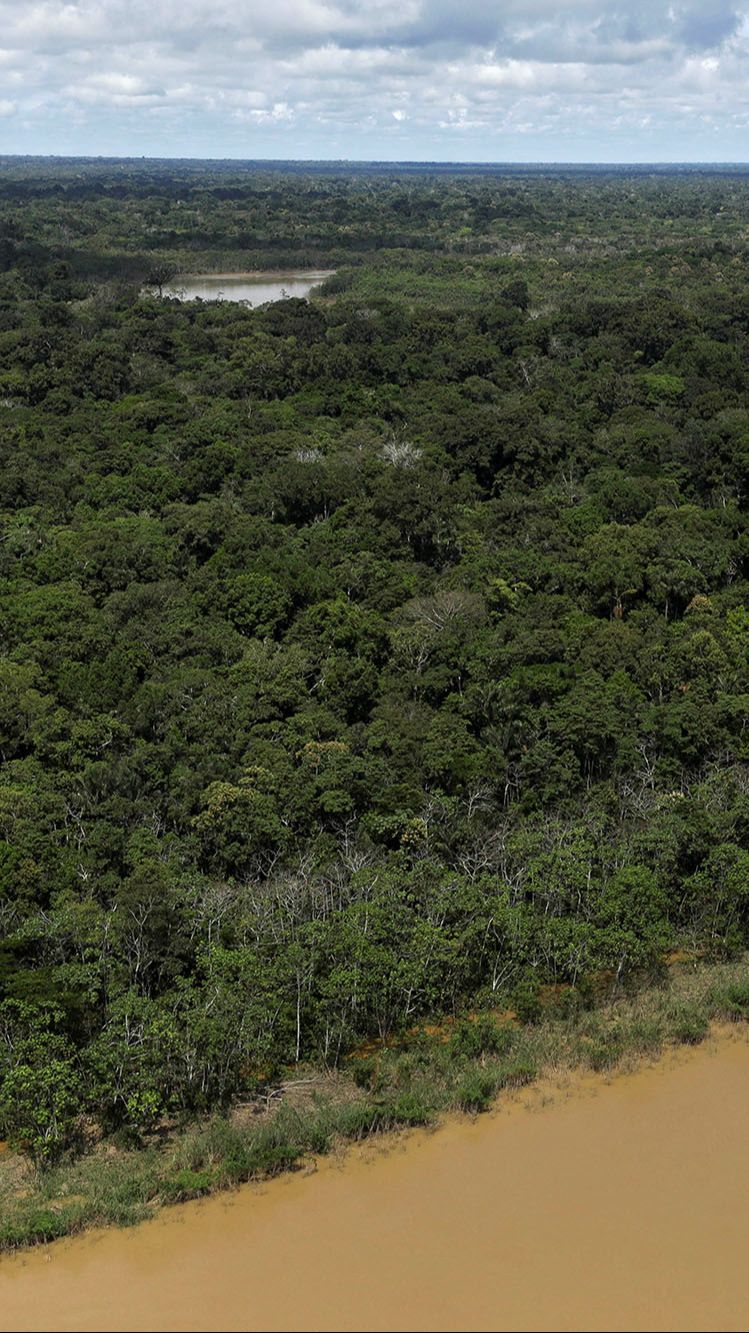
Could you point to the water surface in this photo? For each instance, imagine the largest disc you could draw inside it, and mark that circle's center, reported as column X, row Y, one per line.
column 619, row 1206
column 256, row 288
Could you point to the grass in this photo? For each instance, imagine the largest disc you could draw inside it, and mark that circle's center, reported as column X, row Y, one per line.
column 462, row 1066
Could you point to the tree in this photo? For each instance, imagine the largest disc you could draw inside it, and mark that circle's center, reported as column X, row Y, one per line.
column 160, row 273
column 41, row 1088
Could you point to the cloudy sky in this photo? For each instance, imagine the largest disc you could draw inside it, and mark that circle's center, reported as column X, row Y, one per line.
column 516, row 80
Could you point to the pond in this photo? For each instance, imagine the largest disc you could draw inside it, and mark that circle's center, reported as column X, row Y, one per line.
column 253, row 288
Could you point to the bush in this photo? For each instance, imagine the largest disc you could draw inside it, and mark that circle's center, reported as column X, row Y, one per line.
column 186, row 1184
column 603, row 1051
column 645, row 1034
column 526, row 1001
column 481, row 1037
column 360, row 1119
column 477, row 1091
column 364, row 1072
column 37, row 1229
column 269, row 1159
column 317, row 1135
column 276, row 1147
column 569, row 1004
column 518, row 1073
column 410, row 1109
column 690, row 1026
column 731, row 1000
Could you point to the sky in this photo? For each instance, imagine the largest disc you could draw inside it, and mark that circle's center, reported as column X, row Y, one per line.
column 420, row 80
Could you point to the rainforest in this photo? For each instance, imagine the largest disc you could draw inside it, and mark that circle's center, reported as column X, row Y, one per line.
column 374, row 666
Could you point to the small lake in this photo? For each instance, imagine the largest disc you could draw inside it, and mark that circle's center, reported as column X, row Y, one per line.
column 254, row 288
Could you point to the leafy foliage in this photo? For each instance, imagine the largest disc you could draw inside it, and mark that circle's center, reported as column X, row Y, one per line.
column 362, row 658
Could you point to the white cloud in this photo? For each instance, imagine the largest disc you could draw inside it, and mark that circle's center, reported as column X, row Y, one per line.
column 325, row 77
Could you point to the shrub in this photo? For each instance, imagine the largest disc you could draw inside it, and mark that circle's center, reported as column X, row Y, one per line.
column 479, row 1038
column 645, row 1034
column 526, row 1001
column 690, row 1026
column 360, row 1119
column 37, row 1229
column 570, row 1003
column 476, row 1092
column 364, row 1072
column 731, row 999
column 603, row 1051
column 317, row 1135
column 518, row 1073
column 410, row 1109
column 186, row 1184
column 269, row 1159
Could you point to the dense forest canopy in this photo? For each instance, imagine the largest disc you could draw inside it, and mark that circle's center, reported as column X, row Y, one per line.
column 369, row 657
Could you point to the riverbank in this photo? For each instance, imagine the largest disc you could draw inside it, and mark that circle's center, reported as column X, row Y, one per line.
column 463, row 1066
column 584, row 1203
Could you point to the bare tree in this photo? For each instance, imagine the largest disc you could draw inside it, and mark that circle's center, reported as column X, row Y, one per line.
column 160, row 273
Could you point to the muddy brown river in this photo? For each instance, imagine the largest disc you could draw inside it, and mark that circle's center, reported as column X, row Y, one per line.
column 621, row 1205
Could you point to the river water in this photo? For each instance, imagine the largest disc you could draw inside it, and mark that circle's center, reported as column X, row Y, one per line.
column 621, row 1205
column 257, row 288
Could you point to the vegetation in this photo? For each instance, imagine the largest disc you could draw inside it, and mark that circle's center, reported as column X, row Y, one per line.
column 366, row 660
column 462, row 1066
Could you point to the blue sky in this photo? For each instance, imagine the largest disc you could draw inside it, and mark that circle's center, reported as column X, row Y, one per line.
column 450, row 80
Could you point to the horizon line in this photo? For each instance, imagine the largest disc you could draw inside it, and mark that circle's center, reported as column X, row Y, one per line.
column 379, row 161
